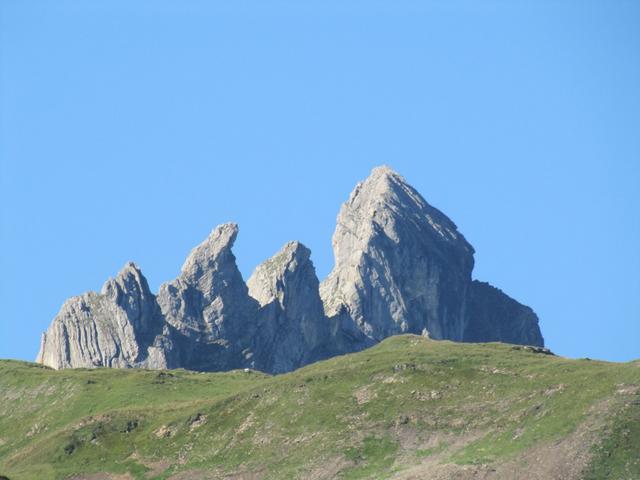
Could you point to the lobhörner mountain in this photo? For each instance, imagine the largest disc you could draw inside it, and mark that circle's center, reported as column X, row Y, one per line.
column 401, row 266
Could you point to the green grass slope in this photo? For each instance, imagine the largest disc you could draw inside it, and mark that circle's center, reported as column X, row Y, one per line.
column 407, row 408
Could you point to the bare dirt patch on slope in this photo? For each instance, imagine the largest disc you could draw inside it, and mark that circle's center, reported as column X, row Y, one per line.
column 564, row 459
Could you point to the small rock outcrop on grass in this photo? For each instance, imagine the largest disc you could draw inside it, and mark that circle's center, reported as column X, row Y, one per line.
column 401, row 266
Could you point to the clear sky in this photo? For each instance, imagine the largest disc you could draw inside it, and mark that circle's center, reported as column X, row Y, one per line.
column 129, row 129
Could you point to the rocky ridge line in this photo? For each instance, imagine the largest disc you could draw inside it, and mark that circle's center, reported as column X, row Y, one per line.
column 401, row 266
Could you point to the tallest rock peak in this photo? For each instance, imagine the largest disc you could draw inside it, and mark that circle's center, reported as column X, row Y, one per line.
column 401, row 264
column 383, row 176
column 386, row 199
column 381, row 180
column 383, row 171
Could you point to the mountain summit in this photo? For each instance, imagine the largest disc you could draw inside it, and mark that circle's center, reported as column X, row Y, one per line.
column 401, row 266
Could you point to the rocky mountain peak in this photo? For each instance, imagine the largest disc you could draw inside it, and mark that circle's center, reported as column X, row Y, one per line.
column 215, row 248
column 386, row 201
column 401, row 266
column 272, row 279
column 112, row 328
column 129, row 278
column 291, row 326
column 381, row 180
column 393, row 255
column 207, row 307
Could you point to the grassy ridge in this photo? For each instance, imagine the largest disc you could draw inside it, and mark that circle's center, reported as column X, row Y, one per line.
column 405, row 403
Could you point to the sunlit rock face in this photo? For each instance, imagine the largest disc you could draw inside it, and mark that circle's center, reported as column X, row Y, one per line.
column 401, row 266
column 113, row 328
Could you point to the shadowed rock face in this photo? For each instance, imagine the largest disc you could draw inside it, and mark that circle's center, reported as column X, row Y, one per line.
column 401, row 266
column 114, row 328
column 291, row 327
column 207, row 309
column 493, row 316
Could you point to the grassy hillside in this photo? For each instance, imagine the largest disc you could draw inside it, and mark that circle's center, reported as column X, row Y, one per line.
column 407, row 408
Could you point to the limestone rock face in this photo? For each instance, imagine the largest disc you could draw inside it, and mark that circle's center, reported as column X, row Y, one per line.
column 210, row 294
column 207, row 309
column 113, row 328
column 291, row 327
column 401, row 266
column 493, row 316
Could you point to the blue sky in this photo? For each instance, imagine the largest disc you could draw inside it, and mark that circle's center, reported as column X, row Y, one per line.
column 129, row 129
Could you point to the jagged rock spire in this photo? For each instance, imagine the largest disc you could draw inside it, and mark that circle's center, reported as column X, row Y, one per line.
column 130, row 291
column 112, row 329
column 286, row 277
column 207, row 308
column 215, row 250
column 210, row 294
column 401, row 264
column 292, row 329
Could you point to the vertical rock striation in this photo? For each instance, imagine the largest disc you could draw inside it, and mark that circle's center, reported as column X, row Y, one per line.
column 114, row 328
column 401, row 266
